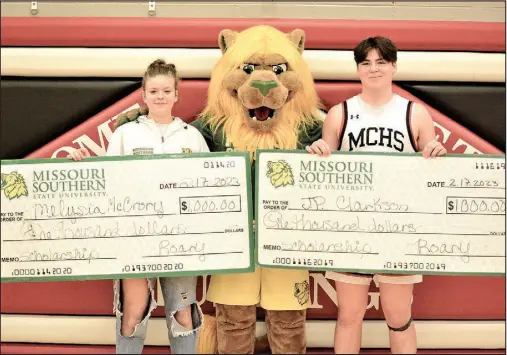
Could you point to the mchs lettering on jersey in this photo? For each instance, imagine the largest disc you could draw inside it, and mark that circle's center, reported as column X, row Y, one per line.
column 376, row 136
column 383, row 129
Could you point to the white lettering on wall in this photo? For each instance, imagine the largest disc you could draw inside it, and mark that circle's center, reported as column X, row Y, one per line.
column 469, row 149
column 319, row 282
column 84, row 141
column 445, row 132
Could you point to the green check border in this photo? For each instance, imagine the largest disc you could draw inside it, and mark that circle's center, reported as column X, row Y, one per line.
column 246, row 158
column 360, row 271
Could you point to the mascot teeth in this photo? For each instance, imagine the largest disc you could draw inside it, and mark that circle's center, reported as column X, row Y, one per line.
column 262, row 113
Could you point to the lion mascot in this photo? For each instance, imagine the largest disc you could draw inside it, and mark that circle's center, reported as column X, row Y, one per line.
column 261, row 96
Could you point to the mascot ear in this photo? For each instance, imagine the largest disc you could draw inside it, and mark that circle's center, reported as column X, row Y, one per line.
column 225, row 39
column 297, row 37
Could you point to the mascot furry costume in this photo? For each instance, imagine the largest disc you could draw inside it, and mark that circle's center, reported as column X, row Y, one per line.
column 261, row 96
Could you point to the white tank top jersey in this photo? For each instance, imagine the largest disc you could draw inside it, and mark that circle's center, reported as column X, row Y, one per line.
column 385, row 128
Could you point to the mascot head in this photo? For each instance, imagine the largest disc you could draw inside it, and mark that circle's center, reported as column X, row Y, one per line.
column 261, row 90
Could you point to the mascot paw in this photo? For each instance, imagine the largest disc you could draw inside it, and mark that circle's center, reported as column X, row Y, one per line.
column 130, row 116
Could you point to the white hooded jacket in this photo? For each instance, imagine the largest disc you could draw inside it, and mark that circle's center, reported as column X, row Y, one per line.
column 143, row 137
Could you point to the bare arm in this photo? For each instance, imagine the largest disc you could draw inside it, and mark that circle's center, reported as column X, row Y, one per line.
column 423, row 130
column 332, row 127
column 331, row 132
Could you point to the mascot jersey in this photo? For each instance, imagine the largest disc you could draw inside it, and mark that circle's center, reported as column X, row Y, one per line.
column 218, row 142
column 273, row 289
column 261, row 96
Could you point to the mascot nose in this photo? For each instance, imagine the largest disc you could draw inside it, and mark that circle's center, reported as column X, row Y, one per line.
column 264, row 86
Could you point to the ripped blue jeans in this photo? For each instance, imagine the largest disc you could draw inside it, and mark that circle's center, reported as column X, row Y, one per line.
column 178, row 293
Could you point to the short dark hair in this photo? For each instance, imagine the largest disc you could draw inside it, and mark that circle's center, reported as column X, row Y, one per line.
column 385, row 47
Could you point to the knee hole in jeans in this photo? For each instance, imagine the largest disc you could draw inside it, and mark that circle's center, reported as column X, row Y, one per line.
column 132, row 319
column 184, row 317
column 189, row 325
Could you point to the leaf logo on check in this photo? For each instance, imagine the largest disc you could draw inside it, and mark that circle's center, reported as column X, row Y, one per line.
column 280, row 173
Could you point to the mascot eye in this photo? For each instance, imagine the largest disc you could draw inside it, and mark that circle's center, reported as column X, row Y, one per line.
column 279, row 69
column 248, row 68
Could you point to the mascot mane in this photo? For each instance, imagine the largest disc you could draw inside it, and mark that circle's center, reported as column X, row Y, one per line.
column 225, row 111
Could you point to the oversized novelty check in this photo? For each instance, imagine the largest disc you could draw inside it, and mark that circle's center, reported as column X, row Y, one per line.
column 119, row 217
column 390, row 213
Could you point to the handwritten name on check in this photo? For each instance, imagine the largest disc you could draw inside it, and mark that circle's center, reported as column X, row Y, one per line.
column 121, row 217
column 381, row 213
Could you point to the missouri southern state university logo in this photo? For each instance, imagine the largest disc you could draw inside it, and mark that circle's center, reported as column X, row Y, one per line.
column 280, row 173
column 14, row 185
